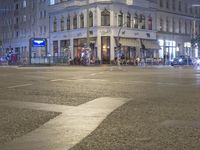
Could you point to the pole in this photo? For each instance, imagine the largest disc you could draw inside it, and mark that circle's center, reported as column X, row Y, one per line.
column 88, row 37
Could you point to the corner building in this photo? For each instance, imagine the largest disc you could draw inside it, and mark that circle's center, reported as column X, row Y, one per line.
column 131, row 23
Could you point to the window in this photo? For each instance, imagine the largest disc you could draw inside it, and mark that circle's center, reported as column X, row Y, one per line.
column 55, row 25
column 173, row 25
column 120, row 19
column 161, row 3
column 142, row 21
column 161, row 24
column 174, row 4
column 167, row 24
column 68, row 23
column 186, row 8
column 62, row 24
column 24, row 18
column 128, row 20
column 45, row 29
column 40, row 29
column 150, row 23
column 186, row 27
column 90, row 19
column 52, row 2
column 167, row 4
column 81, row 21
column 24, row 3
column 105, row 18
column 179, row 26
column 179, row 6
column 135, row 21
column 191, row 11
column 75, row 22
column 16, row 6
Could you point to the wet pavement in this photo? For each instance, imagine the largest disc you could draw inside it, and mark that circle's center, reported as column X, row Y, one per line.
column 131, row 108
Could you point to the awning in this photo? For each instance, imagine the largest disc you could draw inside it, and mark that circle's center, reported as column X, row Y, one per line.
column 130, row 42
column 151, row 44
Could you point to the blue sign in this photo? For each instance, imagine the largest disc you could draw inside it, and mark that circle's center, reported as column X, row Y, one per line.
column 39, row 42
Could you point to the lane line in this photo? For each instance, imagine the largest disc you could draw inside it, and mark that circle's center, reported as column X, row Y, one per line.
column 57, row 80
column 69, row 128
column 16, row 86
column 36, row 106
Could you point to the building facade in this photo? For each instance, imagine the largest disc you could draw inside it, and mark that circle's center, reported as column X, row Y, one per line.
column 23, row 20
column 177, row 23
column 110, row 23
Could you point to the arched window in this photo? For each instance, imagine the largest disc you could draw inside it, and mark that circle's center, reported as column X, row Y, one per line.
column 75, row 21
column 135, row 21
column 142, row 21
column 120, row 19
column 150, row 22
column 68, row 23
column 54, row 24
column 62, row 25
column 90, row 19
column 105, row 18
column 128, row 20
column 81, row 21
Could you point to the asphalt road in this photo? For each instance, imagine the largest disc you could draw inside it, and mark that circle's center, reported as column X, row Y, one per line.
column 162, row 114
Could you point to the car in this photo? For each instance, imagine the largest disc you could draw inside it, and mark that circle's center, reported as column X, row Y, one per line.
column 196, row 61
column 181, row 60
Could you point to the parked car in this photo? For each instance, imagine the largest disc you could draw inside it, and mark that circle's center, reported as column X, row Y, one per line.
column 181, row 60
column 196, row 61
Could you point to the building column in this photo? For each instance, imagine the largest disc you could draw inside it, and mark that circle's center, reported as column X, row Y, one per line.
column 72, row 48
column 112, row 47
column 98, row 44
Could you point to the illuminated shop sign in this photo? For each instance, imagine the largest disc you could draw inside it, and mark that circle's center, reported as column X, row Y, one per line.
column 39, row 42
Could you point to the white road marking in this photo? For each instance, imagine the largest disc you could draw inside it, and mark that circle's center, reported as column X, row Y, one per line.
column 36, row 106
column 93, row 74
column 57, row 80
column 69, row 128
column 144, row 82
column 16, row 86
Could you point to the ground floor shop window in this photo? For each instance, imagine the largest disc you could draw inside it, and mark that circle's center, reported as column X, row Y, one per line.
column 80, row 45
column 55, row 48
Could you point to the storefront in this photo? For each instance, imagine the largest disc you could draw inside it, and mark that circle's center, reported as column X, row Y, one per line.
column 169, row 50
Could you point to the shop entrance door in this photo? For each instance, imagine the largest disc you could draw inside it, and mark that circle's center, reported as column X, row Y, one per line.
column 105, row 49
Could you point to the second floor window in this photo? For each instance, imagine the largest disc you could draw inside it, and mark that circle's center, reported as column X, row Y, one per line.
column 62, row 24
column 81, row 21
column 135, row 21
column 90, row 19
column 150, row 23
column 68, row 23
column 161, row 24
column 120, row 19
column 128, row 20
column 54, row 25
column 105, row 18
column 75, row 21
